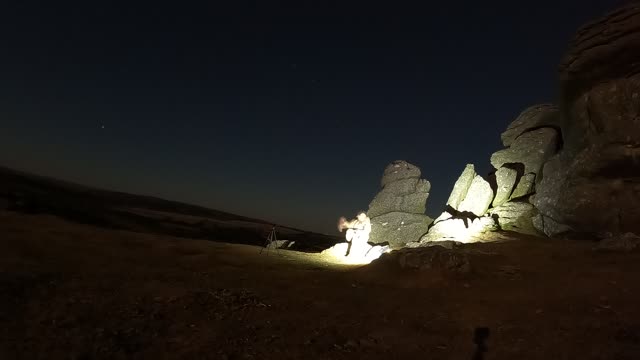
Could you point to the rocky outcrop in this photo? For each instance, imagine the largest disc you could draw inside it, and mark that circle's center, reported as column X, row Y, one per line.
column 463, row 219
column 571, row 168
column 532, row 149
column 477, row 207
column 531, row 139
column 398, row 211
column 594, row 184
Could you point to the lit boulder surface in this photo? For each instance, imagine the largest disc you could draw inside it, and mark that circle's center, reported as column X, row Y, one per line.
column 461, row 187
column 478, row 198
column 532, row 149
column 505, row 179
column 398, row 228
column 406, row 195
column 594, row 184
column 397, row 212
column 515, row 216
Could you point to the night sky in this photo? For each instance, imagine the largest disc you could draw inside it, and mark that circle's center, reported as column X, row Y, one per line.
column 287, row 112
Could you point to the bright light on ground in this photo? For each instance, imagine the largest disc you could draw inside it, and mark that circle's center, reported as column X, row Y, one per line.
column 362, row 257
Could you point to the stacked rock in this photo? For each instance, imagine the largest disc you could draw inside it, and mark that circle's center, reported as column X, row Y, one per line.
column 398, row 211
column 530, row 141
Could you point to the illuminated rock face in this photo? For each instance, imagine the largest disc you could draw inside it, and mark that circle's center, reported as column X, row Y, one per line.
column 397, row 228
column 463, row 221
column 532, row 149
column 459, row 229
column 461, row 186
column 406, row 195
column 505, row 179
column 478, row 198
column 531, row 139
column 593, row 185
column 342, row 253
column 398, row 211
column 477, row 207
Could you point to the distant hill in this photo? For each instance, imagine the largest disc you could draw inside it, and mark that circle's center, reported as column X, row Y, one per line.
column 30, row 193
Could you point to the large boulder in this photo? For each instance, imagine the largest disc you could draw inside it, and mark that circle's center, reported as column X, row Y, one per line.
column 461, row 186
column 399, row 170
column 505, row 181
column 515, row 216
column 596, row 191
column 531, row 149
column 478, row 198
column 599, row 80
column 398, row 228
column 534, row 117
column 405, row 195
column 398, row 211
column 594, row 184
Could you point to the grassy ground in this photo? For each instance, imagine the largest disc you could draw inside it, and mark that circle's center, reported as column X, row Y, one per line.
column 71, row 291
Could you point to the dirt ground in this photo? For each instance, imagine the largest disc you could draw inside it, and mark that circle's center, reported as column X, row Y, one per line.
column 70, row 291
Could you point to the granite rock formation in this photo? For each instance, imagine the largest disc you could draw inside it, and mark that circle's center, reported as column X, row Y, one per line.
column 593, row 185
column 398, row 211
column 463, row 219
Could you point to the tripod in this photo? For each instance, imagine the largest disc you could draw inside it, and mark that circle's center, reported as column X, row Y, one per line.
column 271, row 238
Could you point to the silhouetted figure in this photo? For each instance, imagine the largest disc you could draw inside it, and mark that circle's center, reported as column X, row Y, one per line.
column 480, row 335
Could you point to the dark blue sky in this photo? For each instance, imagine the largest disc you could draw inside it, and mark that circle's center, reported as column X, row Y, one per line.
column 283, row 112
